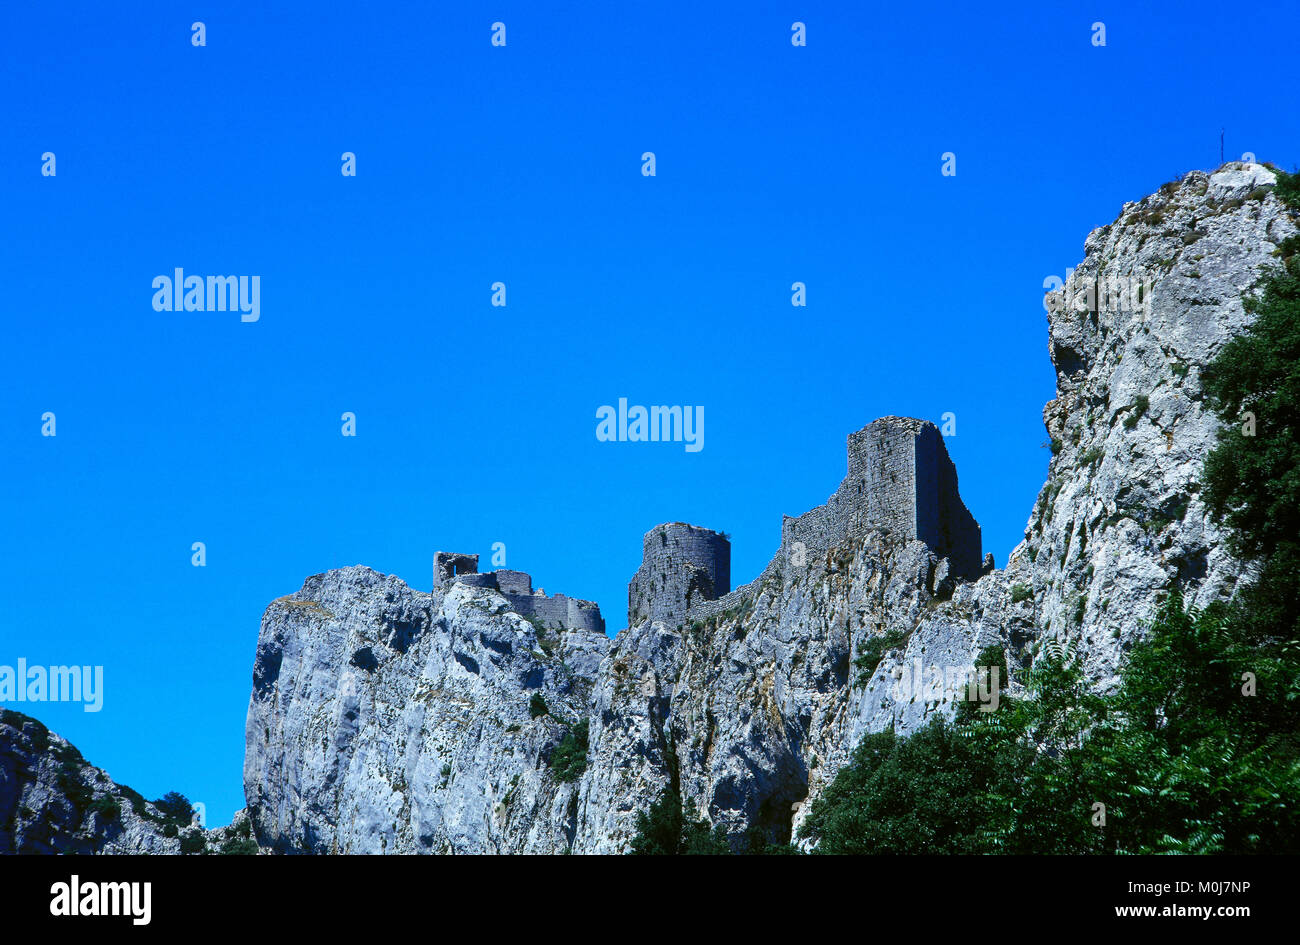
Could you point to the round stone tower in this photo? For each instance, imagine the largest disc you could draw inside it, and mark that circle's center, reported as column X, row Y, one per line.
column 680, row 565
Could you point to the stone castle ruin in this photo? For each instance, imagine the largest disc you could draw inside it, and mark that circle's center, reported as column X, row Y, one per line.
column 554, row 612
column 900, row 478
column 681, row 565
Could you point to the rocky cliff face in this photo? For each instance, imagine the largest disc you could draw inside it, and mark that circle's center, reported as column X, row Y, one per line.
column 1120, row 517
column 384, row 719
column 388, row 720
column 53, row 801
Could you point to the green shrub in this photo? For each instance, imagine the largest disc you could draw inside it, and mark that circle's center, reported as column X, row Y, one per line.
column 873, row 649
column 194, row 842
column 1288, row 189
column 1136, row 410
column 109, row 810
column 1021, row 592
column 78, row 793
column 569, row 760
column 537, row 706
column 665, row 830
column 239, row 847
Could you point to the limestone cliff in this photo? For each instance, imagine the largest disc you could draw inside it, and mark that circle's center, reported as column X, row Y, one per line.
column 386, row 719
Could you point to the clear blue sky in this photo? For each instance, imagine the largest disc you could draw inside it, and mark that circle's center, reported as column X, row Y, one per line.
column 521, row 164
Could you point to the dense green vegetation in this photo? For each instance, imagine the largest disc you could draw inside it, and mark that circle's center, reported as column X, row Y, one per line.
column 175, row 809
column 665, row 830
column 1199, row 749
column 570, row 757
column 107, row 807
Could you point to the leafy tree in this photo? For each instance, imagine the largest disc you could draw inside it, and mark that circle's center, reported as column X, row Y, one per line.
column 194, row 842
column 1189, row 763
column 659, row 830
column 175, row 808
column 1252, row 478
column 986, row 782
column 665, row 830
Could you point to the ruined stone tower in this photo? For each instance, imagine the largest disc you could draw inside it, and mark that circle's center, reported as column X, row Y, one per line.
column 900, row 478
column 681, row 565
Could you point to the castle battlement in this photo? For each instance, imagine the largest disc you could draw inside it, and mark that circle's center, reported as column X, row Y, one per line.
column 899, row 479
column 555, row 611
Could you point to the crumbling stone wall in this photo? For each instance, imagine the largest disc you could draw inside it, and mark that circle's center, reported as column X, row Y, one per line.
column 557, row 612
column 448, row 565
column 681, row 565
column 900, row 477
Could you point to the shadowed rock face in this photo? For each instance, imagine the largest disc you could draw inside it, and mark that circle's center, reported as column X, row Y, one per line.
column 384, row 719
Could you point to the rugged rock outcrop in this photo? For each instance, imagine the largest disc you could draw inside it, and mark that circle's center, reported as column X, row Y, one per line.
column 754, row 710
column 1120, row 518
column 385, row 719
column 53, row 801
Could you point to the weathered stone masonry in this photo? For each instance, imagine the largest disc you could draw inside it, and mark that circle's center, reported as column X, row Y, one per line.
column 681, row 565
column 900, row 478
column 555, row 611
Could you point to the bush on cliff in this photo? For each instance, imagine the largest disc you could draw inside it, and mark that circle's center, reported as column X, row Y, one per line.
column 665, row 830
column 175, row 808
column 570, row 758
